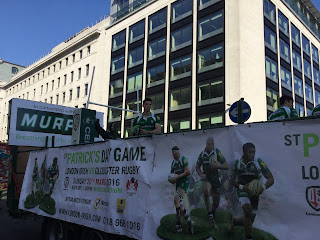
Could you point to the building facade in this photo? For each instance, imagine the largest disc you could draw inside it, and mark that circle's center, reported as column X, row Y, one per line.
column 193, row 58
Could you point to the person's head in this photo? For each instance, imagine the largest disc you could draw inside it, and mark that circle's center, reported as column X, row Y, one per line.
column 249, row 151
column 36, row 160
column 175, row 152
column 111, row 127
column 209, row 144
column 147, row 104
column 286, row 101
column 55, row 160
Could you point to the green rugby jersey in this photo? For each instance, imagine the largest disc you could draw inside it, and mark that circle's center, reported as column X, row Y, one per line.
column 178, row 167
column 146, row 123
column 252, row 170
column 205, row 159
column 316, row 111
column 283, row 112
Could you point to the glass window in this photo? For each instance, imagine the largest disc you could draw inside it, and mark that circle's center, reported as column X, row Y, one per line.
column 309, row 112
column 284, row 51
column 210, row 26
column 317, row 97
column 116, row 88
column 135, row 56
column 209, row 121
column 157, row 21
column 58, row 82
column 206, row 3
column 79, row 73
column 65, row 79
column 157, row 48
column 296, row 58
column 315, row 54
column 117, row 64
column 157, row 103
column 52, row 84
column 57, row 99
column 86, row 89
column 156, row 75
column 307, row 69
column 87, row 69
column 73, row 59
column 181, row 38
column 210, row 92
column 180, row 98
column 118, row 40
column 309, row 93
column 180, row 68
column 78, row 92
column 115, row 114
column 270, row 39
column 71, row 79
column 134, row 81
column 88, row 50
column 283, row 23
column 132, row 106
column 80, row 54
column 272, row 100
column 286, row 78
column 272, row 70
column 14, row 70
column 136, row 31
column 63, row 97
column 298, row 86
column 177, row 125
column 316, row 76
column 306, row 45
column 210, row 58
column 269, row 11
column 181, row 9
column 295, row 34
column 300, row 109
column 70, row 94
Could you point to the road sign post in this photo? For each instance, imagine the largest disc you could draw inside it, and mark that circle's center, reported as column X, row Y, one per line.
column 240, row 111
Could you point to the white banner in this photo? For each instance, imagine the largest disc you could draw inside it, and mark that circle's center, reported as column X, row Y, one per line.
column 31, row 122
column 103, row 186
column 290, row 151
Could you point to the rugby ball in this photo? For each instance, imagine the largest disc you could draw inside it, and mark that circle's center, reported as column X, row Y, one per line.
column 254, row 187
column 171, row 177
column 213, row 161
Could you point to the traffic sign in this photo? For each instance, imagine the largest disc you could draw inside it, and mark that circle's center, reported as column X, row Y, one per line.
column 241, row 107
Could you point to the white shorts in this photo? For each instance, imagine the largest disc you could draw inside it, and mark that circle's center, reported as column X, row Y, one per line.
column 245, row 200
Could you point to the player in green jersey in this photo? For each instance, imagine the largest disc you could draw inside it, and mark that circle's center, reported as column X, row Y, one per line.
column 146, row 122
column 245, row 170
column 181, row 172
column 35, row 176
column 285, row 111
column 53, row 174
column 211, row 160
column 316, row 111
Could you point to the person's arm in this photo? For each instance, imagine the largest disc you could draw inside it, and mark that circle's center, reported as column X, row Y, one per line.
column 184, row 174
column 221, row 159
column 223, row 166
column 103, row 133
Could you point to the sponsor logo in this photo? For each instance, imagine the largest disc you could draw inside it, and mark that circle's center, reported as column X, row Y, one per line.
column 132, row 186
column 76, row 121
column 66, row 182
column 96, row 203
column 313, row 197
column 99, row 202
column 121, row 205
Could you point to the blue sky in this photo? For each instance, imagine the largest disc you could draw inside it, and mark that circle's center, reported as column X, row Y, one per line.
column 29, row 29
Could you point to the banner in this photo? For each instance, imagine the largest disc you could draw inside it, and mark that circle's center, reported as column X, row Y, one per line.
column 4, row 159
column 31, row 122
column 103, row 185
column 280, row 155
